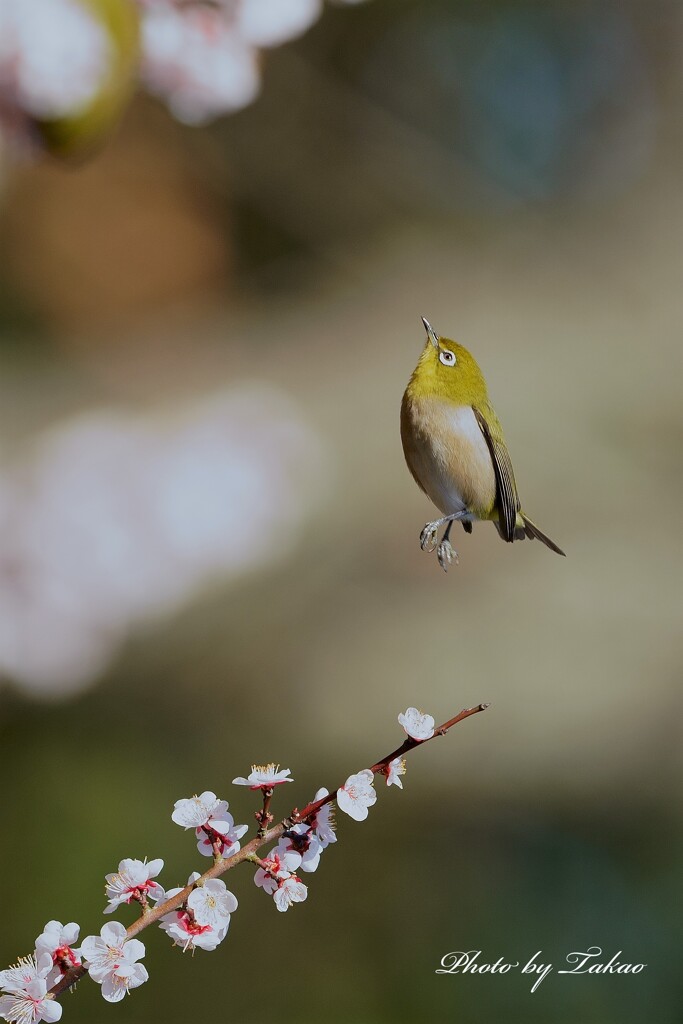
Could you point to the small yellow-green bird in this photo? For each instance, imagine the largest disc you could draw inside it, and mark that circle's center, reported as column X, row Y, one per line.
column 454, row 447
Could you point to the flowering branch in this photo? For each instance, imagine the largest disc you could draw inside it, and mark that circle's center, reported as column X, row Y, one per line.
column 382, row 766
column 198, row 914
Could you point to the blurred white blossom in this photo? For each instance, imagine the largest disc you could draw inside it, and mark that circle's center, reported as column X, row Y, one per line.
column 115, row 519
column 272, row 22
column 53, row 55
column 195, row 59
column 201, row 58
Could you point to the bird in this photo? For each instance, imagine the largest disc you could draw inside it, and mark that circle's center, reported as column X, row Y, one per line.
column 454, row 447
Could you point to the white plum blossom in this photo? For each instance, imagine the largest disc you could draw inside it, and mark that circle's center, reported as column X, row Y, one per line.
column 222, row 834
column 290, row 890
column 119, row 982
column 417, row 724
column 56, row 936
column 212, row 903
column 274, row 868
column 300, row 848
column 27, row 970
column 394, row 770
column 112, row 961
column 323, row 821
column 266, row 881
column 357, row 794
column 109, row 948
column 133, row 881
column 186, row 932
column 226, row 843
column 213, row 825
column 198, row 810
column 29, row 1005
column 57, row 941
column 264, row 776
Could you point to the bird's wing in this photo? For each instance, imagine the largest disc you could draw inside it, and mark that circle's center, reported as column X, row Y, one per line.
column 508, row 499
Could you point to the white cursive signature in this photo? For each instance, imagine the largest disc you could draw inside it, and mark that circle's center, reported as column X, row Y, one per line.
column 461, row 962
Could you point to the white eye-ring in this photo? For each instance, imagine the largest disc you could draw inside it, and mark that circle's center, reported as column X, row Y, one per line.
column 447, row 357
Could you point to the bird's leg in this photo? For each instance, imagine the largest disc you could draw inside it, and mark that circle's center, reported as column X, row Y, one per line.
column 446, row 553
column 429, row 535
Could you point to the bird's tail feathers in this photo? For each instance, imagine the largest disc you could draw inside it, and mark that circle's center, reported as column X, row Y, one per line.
column 533, row 532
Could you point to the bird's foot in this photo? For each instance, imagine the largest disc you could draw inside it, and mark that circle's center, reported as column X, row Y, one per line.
column 429, row 536
column 446, row 555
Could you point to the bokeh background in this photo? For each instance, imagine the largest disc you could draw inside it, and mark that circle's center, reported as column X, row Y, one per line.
column 209, row 550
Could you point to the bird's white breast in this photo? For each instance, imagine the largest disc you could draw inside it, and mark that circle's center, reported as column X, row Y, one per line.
column 449, row 456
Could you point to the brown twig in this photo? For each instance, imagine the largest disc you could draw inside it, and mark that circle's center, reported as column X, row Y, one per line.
column 248, row 852
column 264, row 817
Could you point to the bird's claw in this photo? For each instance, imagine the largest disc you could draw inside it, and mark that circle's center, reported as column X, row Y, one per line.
column 446, row 555
column 428, row 537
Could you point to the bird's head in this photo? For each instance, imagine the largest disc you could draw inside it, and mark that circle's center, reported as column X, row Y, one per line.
column 447, row 370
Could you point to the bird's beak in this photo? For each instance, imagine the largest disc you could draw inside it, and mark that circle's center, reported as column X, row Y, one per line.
column 430, row 332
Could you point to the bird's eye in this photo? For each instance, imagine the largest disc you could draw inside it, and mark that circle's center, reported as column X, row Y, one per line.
column 447, row 357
